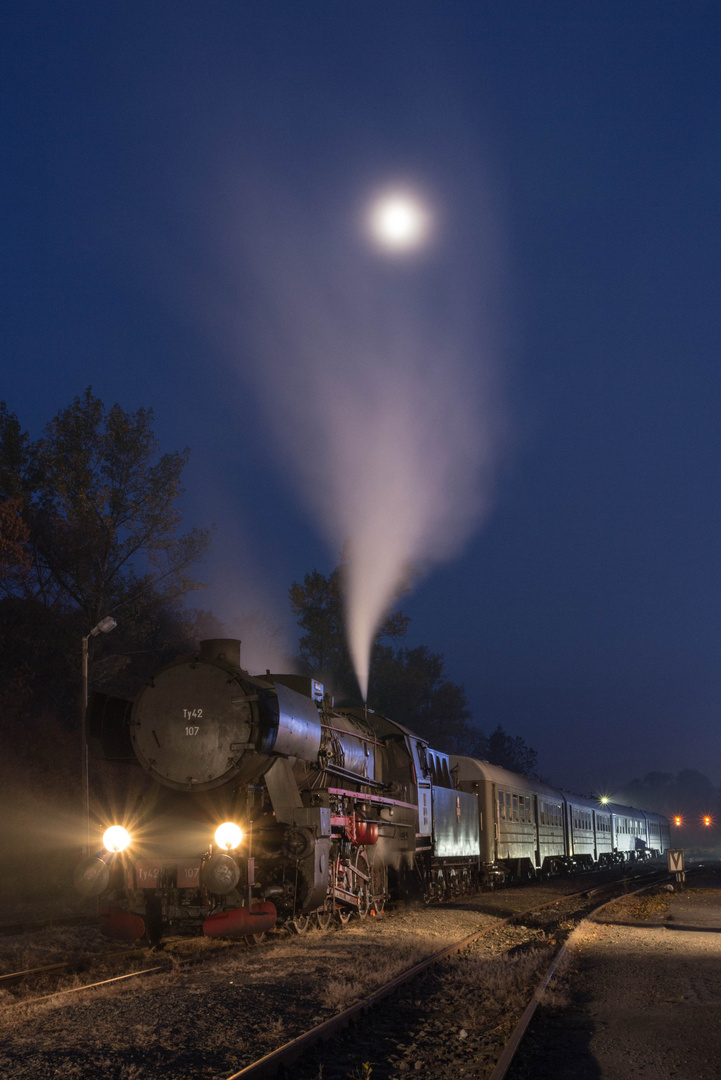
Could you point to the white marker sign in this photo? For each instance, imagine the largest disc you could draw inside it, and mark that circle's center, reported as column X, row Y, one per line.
column 675, row 860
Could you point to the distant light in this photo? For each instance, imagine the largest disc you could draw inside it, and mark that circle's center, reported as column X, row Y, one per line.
column 228, row 835
column 399, row 221
column 604, row 799
column 707, row 819
column 678, row 820
column 116, row 838
column 104, row 626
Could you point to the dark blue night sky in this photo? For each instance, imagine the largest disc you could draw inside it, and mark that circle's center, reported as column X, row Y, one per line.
column 572, row 157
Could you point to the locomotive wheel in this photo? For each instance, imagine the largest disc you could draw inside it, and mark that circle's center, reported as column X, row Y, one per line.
column 301, row 923
column 379, row 884
column 363, row 884
column 324, row 915
column 345, row 880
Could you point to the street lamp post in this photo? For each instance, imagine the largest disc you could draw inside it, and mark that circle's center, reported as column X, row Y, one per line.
column 103, row 627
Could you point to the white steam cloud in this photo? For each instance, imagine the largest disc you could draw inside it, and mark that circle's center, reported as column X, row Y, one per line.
column 380, row 390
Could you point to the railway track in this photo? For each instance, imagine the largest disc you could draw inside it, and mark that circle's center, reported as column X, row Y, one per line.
column 170, row 961
column 253, row 999
column 76, row 964
column 510, row 1050
column 301, row 1055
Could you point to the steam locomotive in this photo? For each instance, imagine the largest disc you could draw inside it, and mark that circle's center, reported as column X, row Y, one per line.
column 254, row 802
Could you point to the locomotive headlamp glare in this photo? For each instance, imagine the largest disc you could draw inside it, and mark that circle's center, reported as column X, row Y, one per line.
column 228, row 835
column 116, row 838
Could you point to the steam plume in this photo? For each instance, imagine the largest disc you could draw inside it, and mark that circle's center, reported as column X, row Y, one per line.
column 382, row 396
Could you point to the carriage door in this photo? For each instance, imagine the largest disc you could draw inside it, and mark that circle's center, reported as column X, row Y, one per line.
column 423, row 783
column 497, row 812
column 536, row 829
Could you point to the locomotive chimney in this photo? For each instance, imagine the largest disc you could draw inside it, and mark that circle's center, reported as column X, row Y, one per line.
column 227, row 649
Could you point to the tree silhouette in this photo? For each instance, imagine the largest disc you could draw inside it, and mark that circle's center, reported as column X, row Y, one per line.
column 410, row 686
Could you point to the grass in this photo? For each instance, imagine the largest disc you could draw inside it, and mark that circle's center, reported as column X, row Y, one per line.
column 491, row 988
column 369, row 970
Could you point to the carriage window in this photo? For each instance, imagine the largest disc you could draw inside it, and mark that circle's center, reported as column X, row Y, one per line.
column 501, row 806
column 515, row 808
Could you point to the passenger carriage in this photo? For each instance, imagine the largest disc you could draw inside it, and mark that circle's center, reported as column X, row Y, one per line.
column 582, row 829
column 629, row 833
column 659, row 833
column 521, row 820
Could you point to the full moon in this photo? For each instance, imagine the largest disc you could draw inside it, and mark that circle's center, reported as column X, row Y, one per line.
column 399, row 221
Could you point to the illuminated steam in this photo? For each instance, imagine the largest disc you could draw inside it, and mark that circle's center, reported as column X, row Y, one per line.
column 377, row 381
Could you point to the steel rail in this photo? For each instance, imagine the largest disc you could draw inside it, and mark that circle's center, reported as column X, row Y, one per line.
column 294, row 1048
column 511, row 1048
column 18, row 976
column 90, row 986
column 78, row 963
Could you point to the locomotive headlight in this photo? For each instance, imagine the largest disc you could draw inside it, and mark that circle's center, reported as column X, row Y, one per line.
column 228, row 835
column 116, row 838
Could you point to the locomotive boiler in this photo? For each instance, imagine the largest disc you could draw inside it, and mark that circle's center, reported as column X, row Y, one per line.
column 264, row 804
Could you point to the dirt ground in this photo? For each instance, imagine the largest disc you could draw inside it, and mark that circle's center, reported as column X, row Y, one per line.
column 639, row 995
